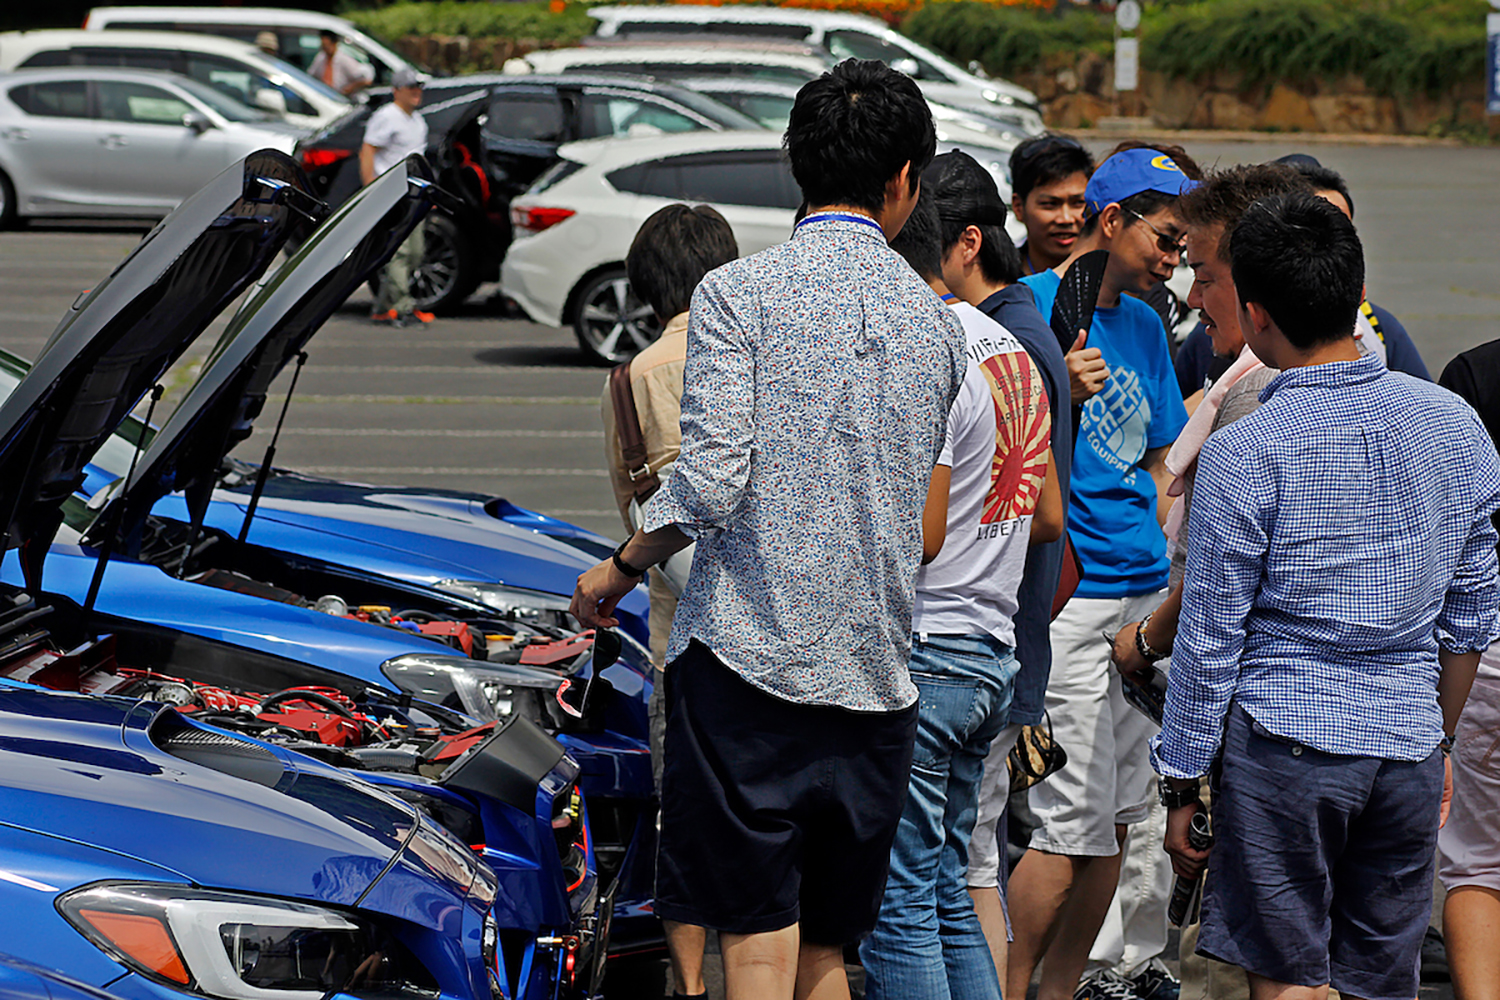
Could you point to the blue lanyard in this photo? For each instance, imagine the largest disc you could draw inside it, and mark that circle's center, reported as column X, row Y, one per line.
column 864, row 220
column 949, row 298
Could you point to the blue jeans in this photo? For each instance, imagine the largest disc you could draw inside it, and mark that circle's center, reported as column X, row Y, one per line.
column 928, row 942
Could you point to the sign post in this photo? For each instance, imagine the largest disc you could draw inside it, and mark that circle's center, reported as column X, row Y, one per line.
column 1127, row 46
column 1492, row 62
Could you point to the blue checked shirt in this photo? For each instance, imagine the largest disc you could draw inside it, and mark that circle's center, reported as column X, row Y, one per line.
column 818, row 380
column 1340, row 535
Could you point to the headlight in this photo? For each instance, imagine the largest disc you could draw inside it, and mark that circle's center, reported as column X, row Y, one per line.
column 533, row 607
column 998, row 98
column 486, row 691
column 242, row 947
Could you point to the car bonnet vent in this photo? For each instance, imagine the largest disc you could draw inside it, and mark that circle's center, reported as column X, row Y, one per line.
column 212, row 749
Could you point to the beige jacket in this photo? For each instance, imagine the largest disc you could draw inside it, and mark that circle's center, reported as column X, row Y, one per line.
column 656, row 382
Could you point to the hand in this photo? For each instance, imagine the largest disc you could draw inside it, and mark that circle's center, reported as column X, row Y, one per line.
column 1447, row 791
column 1186, row 862
column 1087, row 371
column 1126, row 656
column 597, row 593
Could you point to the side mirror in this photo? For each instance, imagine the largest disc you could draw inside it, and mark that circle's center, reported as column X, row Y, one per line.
column 268, row 99
column 908, row 67
column 197, row 121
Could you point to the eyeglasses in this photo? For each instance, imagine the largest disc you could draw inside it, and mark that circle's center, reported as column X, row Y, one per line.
column 1164, row 243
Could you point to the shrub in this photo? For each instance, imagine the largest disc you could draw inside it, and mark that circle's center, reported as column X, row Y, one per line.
column 1006, row 41
column 477, row 20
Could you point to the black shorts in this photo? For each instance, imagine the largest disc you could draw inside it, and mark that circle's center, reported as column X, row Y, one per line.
column 775, row 813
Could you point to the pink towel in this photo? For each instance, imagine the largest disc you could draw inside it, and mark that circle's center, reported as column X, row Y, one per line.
column 1184, row 452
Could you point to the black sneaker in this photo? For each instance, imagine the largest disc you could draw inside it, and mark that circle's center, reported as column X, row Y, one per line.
column 1154, row 982
column 1107, row 985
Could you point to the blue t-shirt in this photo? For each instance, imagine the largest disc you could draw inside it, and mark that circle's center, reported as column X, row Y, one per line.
column 1112, row 512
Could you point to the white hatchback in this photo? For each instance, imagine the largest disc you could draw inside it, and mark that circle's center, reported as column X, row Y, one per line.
column 85, row 142
column 574, row 226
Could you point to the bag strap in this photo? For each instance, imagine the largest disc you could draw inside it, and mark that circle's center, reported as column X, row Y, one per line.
column 643, row 480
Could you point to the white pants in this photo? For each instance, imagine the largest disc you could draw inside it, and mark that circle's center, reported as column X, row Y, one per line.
column 1135, row 928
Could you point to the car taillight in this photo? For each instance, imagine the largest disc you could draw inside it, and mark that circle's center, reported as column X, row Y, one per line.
column 312, row 159
column 536, row 219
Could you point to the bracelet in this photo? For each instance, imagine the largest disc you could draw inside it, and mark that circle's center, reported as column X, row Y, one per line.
column 620, row 564
column 1448, row 743
column 1143, row 647
column 1176, row 798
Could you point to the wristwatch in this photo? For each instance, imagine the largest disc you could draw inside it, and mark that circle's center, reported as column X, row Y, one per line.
column 1176, row 798
column 1148, row 653
column 1448, row 743
column 623, row 566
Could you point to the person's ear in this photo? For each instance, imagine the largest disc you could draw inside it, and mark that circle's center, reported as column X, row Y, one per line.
column 1018, row 206
column 970, row 240
column 1256, row 315
column 899, row 186
column 1111, row 221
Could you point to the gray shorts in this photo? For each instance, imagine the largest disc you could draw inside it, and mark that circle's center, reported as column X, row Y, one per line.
column 1322, row 865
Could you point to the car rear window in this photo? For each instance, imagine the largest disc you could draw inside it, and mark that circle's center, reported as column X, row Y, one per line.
column 56, row 99
column 752, row 178
column 537, row 117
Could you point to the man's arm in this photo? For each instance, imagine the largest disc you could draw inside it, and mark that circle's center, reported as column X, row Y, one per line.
column 1051, row 513
column 366, row 163
column 1154, row 462
column 935, row 513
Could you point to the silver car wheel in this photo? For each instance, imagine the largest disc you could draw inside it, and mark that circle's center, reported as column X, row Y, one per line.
column 612, row 324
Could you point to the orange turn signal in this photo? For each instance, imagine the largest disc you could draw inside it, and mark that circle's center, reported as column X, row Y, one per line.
column 144, row 939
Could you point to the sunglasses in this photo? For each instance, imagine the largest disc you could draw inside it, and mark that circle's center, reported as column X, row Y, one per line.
column 1164, row 243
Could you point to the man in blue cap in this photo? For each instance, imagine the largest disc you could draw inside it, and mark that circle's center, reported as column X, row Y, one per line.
column 1120, row 375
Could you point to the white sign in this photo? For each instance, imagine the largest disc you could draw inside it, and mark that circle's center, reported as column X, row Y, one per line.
column 1127, row 62
column 1128, row 14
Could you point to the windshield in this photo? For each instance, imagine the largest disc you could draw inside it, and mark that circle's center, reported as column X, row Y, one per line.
column 221, row 102
column 713, row 110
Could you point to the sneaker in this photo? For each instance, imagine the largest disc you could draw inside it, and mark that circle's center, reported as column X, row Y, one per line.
column 1107, row 985
column 422, row 317
column 1154, row 982
column 384, row 317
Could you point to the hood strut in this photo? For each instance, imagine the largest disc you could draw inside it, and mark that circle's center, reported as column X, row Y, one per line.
column 264, row 472
column 107, row 544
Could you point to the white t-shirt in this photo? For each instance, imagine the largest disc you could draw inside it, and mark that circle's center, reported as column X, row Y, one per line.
column 996, row 445
column 395, row 135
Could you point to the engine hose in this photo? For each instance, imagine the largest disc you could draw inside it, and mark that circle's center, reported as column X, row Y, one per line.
column 312, row 697
column 420, row 617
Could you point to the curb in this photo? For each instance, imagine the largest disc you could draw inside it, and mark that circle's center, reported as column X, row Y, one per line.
column 1184, row 136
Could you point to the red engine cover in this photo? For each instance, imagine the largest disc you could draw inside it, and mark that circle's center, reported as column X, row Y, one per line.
column 325, row 727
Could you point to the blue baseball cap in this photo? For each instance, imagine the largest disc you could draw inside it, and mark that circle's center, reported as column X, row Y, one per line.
column 1129, row 173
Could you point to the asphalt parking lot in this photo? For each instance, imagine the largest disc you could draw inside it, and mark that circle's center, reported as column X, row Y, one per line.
column 485, row 402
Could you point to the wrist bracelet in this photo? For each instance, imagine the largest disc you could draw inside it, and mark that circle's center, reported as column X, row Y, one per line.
column 1448, row 744
column 1176, row 798
column 1143, row 647
column 620, row 564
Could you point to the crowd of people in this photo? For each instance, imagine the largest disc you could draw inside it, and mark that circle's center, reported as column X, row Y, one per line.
column 915, row 501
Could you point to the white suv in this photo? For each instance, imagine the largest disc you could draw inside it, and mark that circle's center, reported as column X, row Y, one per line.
column 238, row 70
column 843, row 36
column 575, row 224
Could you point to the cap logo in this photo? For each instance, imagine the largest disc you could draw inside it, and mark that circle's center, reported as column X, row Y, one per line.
column 1164, row 162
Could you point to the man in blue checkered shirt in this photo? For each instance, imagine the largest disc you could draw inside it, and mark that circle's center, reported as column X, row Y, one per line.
column 1341, row 582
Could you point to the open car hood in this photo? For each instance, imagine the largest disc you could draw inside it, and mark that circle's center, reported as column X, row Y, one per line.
column 119, row 339
column 267, row 333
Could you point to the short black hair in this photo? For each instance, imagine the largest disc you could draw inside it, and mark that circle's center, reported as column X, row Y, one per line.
column 1047, row 159
column 1326, row 179
column 918, row 240
column 671, row 253
column 1301, row 260
column 999, row 260
column 327, row 33
column 852, row 129
column 1224, row 195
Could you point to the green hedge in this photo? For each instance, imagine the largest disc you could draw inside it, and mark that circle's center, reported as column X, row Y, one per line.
column 477, row 20
column 1006, row 40
column 1397, row 46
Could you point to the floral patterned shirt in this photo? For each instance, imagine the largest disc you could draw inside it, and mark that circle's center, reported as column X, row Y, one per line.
column 818, row 381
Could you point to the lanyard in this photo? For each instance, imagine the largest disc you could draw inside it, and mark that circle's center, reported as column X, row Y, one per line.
column 949, row 298
column 864, row 220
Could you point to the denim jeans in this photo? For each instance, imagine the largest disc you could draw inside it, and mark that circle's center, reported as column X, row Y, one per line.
column 928, row 942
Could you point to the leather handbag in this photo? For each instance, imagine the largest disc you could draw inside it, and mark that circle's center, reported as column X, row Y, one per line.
column 644, row 480
column 1035, row 757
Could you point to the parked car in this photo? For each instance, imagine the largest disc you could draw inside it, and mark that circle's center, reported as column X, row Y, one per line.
column 770, row 103
column 296, row 31
column 842, row 36
column 239, row 71
column 161, row 858
column 749, row 59
column 491, row 135
column 575, row 224
column 85, row 141
column 387, row 677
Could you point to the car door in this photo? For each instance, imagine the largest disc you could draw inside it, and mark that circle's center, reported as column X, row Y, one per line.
column 522, row 131
column 54, row 148
column 148, row 159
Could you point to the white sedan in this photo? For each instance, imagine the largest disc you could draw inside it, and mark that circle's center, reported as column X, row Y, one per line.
column 87, row 141
column 574, row 226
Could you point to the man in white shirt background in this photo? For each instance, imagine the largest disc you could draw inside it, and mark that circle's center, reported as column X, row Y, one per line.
column 339, row 70
column 396, row 131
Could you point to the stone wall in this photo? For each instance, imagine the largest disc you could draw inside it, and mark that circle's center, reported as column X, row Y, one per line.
column 1078, row 91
